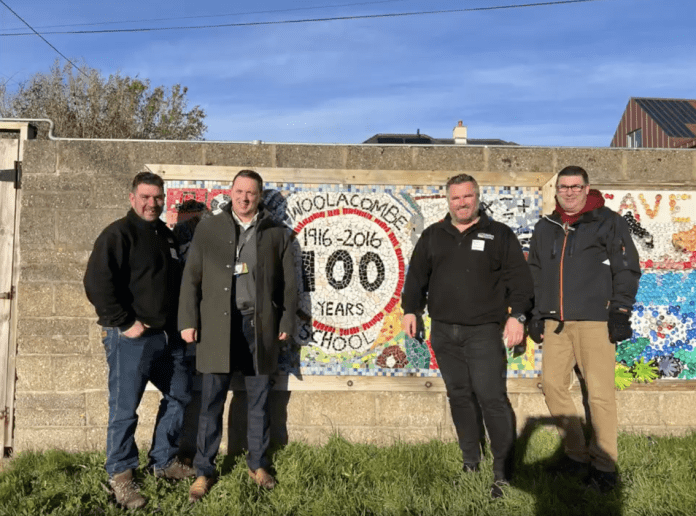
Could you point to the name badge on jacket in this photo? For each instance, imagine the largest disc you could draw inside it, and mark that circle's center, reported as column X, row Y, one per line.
column 478, row 245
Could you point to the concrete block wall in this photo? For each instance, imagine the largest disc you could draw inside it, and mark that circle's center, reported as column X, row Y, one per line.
column 73, row 189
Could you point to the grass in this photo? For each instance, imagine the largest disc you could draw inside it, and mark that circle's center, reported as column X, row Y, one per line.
column 340, row 478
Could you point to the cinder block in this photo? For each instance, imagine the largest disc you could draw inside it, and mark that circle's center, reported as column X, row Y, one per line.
column 39, row 157
column 174, row 152
column 377, row 157
column 111, row 191
column 57, row 271
column 454, row 158
column 77, row 157
column 334, row 409
column 77, row 373
column 70, row 439
column 45, row 345
column 35, row 373
column 53, row 327
column 410, row 409
column 147, row 410
column 35, row 299
column 97, row 407
column 602, row 165
column 245, row 155
column 78, row 229
column 309, row 156
column 67, row 184
column 314, row 435
column 71, row 301
column 645, row 166
column 677, row 409
column 638, row 408
column 58, row 201
column 95, row 439
column 37, row 228
column 515, row 159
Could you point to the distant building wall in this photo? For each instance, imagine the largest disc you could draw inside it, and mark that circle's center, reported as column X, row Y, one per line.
column 385, row 386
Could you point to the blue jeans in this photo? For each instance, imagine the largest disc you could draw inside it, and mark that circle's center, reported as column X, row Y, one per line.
column 156, row 356
column 213, row 396
column 473, row 365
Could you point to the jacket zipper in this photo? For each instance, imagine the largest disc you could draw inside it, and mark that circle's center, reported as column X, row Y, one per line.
column 565, row 240
column 566, row 230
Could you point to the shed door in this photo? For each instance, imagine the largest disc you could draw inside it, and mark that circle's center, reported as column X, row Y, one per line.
column 9, row 193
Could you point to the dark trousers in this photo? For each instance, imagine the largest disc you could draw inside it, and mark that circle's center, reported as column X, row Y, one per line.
column 473, row 365
column 213, row 396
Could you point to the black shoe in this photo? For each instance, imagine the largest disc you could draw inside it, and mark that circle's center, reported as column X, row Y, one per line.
column 471, row 467
column 498, row 488
column 602, row 481
column 568, row 467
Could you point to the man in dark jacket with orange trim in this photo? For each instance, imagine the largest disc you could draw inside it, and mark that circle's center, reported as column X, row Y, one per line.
column 470, row 269
column 238, row 301
column 586, row 271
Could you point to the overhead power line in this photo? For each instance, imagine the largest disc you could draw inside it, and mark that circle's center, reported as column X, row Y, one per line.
column 223, row 15
column 309, row 20
column 44, row 39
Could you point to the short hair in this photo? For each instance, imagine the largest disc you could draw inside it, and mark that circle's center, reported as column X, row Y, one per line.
column 148, row 178
column 251, row 174
column 463, row 178
column 574, row 171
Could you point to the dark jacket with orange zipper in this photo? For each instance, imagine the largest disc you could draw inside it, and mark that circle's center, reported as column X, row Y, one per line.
column 584, row 268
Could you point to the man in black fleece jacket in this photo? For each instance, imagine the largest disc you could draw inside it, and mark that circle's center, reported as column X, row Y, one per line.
column 472, row 272
column 133, row 278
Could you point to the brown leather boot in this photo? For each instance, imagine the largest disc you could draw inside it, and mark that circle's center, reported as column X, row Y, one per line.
column 263, row 478
column 200, row 488
column 126, row 490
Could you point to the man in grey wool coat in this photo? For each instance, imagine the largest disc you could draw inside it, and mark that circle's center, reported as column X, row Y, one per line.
column 238, row 301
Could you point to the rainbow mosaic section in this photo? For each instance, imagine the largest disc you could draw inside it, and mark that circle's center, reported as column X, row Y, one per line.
column 663, row 227
column 352, row 248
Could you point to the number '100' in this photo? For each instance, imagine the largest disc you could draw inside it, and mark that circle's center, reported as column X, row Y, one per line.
column 340, row 255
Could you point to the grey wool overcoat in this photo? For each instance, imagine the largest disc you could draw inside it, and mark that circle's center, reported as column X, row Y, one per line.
column 207, row 298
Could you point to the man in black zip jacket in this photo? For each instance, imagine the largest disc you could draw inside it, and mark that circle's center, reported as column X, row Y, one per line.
column 472, row 272
column 586, row 271
column 133, row 278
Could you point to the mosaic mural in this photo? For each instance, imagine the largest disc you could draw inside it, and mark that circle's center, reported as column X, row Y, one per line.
column 353, row 245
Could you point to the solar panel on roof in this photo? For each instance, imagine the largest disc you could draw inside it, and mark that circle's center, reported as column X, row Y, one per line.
column 671, row 115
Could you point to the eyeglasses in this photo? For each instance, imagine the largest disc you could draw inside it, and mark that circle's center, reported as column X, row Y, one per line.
column 572, row 188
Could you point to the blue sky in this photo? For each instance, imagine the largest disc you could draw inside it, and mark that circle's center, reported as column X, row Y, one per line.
column 551, row 75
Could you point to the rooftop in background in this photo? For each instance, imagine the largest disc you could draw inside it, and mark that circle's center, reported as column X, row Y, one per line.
column 657, row 123
column 459, row 137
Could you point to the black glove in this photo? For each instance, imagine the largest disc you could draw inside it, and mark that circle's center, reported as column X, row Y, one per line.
column 619, row 325
column 536, row 330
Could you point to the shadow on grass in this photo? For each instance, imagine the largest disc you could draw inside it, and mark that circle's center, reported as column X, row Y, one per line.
column 556, row 493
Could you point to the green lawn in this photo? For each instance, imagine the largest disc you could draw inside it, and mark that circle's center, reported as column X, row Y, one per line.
column 658, row 478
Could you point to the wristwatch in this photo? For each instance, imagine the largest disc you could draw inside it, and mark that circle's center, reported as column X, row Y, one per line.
column 520, row 317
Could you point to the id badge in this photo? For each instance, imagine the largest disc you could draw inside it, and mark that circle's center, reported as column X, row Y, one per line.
column 478, row 245
column 240, row 268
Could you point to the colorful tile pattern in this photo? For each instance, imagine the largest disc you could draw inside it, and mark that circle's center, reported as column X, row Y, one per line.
column 354, row 242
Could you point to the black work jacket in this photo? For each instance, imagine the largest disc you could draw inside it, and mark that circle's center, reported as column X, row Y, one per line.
column 583, row 269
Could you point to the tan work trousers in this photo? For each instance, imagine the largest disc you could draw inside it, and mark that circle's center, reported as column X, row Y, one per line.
column 585, row 343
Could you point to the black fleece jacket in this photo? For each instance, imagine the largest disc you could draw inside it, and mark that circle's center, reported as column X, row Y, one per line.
column 468, row 278
column 134, row 273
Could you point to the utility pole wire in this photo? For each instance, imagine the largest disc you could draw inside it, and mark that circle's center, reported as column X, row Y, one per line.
column 44, row 39
column 309, row 20
column 269, row 11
